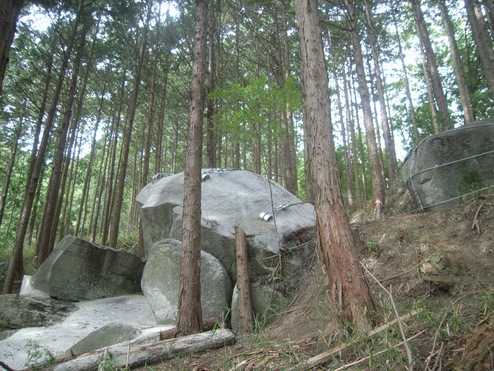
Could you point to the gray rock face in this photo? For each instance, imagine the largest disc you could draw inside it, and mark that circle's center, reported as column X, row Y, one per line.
column 277, row 246
column 447, row 167
column 160, row 283
column 79, row 270
column 93, row 323
column 112, row 333
column 20, row 311
column 229, row 199
column 266, row 302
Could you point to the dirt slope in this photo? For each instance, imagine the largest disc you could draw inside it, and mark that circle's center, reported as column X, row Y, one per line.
column 440, row 263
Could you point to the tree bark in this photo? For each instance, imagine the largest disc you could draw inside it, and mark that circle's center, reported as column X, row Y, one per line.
column 437, row 87
column 43, row 243
column 127, row 135
column 389, row 144
column 350, row 295
column 35, row 170
column 11, row 162
column 9, row 14
column 346, row 153
column 137, row 354
column 378, row 186
column 243, row 283
column 411, row 109
column 189, row 319
column 457, row 65
column 482, row 40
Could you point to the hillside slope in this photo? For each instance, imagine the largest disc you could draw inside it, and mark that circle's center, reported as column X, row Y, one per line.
column 441, row 264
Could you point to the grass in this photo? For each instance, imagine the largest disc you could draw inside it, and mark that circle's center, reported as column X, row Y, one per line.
column 38, row 358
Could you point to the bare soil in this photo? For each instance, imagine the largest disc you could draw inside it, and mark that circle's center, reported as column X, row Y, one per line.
column 440, row 263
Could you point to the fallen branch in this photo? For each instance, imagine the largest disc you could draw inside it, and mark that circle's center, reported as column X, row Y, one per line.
column 5, row 366
column 207, row 325
column 402, row 332
column 436, row 335
column 326, row 356
column 129, row 355
column 475, row 223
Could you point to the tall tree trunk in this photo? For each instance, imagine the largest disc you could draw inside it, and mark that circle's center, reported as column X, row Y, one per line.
column 149, row 128
column 110, row 168
column 482, row 40
column 378, row 185
column 87, row 179
column 32, row 184
column 11, row 162
column 43, row 243
column 189, row 319
column 353, row 138
column 9, row 14
column 282, row 72
column 437, row 87
column 127, row 136
column 389, row 144
column 211, row 104
column 430, row 94
column 411, row 109
column 350, row 293
column 458, row 66
column 346, row 152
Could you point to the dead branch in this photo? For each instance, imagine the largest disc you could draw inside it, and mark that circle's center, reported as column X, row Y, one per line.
column 208, row 324
column 475, row 223
column 131, row 355
column 407, row 348
column 326, row 356
column 5, row 366
column 436, row 335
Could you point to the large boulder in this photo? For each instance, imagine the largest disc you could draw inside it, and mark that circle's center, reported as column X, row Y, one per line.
column 89, row 325
column 229, row 198
column 112, row 333
column 80, row 270
column 279, row 227
column 448, row 167
column 160, row 283
column 22, row 311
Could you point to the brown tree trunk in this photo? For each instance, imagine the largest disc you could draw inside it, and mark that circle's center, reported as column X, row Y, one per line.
column 189, row 319
column 350, row 295
column 243, row 283
column 211, row 104
column 82, row 210
column 378, row 186
column 127, row 136
column 482, row 40
column 35, row 170
column 458, row 66
column 149, row 129
column 411, row 109
column 43, row 243
column 353, row 139
column 437, row 87
column 10, row 167
column 346, row 153
column 389, row 144
column 9, row 14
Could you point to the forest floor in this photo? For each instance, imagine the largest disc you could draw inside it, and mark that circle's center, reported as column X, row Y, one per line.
column 439, row 264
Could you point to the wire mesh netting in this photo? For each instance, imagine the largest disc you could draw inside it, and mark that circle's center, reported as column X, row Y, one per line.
column 448, row 168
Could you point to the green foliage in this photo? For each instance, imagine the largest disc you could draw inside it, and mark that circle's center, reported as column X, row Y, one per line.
column 260, row 101
column 38, row 358
column 108, row 364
